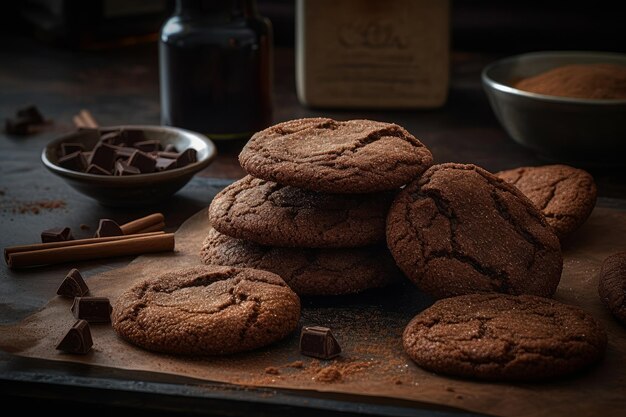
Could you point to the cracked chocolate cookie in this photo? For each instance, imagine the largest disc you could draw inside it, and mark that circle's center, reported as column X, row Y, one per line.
column 565, row 195
column 307, row 271
column 504, row 337
column 460, row 230
column 207, row 310
column 612, row 285
column 279, row 215
column 319, row 154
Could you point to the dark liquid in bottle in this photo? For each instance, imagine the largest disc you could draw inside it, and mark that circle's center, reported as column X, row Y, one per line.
column 215, row 75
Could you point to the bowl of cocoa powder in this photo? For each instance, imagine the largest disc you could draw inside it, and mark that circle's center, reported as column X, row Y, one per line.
column 566, row 106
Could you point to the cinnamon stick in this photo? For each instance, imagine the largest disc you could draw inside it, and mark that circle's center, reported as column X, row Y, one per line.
column 154, row 228
column 78, row 121
column 131, row 245
column 85, row 119
column 68, row 243
column 139, row 225
column 88, row 118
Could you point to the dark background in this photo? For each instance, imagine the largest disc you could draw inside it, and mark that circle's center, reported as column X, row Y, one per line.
column 79, row 59
column 477, row 25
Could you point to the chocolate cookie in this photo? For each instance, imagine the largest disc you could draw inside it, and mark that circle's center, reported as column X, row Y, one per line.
column 460, row 230
column 565, row 195
column 207, row 310
column 612, row 285
column 504, row 337
column 279, row 215
column 306, row 271
column 356, row 156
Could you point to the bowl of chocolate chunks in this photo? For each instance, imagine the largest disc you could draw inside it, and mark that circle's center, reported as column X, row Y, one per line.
column 128, row 166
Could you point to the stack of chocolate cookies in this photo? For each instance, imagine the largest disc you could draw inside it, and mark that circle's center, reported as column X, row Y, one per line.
column 314, row 204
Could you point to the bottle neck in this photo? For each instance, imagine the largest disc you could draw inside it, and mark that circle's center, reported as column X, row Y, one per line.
column 218, row 9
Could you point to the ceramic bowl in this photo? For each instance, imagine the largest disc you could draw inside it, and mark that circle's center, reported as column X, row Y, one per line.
column 571, row 130
column 134, row 190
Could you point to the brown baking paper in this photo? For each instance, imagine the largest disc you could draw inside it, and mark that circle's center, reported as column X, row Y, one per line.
column 369, row 328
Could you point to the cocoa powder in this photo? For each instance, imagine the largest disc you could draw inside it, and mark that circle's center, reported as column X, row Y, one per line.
column 29, row 207
column 272, row 370
column 324, row 372
column 328, row 375
column 592, row 81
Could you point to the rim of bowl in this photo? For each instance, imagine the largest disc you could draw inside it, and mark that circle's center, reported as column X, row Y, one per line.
column 139, row 178
column 545, row 97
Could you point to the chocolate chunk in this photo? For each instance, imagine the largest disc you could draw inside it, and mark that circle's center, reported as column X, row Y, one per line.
column 104, row 156
column 188, row 156
column 92, row 309
column 70, row 147
column 75, row 161
column 95, row 169
column 90, row 134
column 77, row 340
column 164, row 164
column 17, row 126
column 24, row 120
column 73, row 285
column 148, row 145
column 124, row 152
column 108, row 227
column 142, row 161
column 168, row 155
column 170, row 148
column 31, row 114
column 131, row 136
column 318, row 342
column 122, row 168
column 58, row 234
column 112, row 138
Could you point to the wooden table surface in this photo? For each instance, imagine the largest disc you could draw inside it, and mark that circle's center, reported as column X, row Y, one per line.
column 121, row 87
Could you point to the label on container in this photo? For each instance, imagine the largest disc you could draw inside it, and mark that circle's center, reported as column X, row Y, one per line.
column 370, row 53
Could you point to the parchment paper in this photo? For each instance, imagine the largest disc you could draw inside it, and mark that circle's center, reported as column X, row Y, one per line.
column 368, row 327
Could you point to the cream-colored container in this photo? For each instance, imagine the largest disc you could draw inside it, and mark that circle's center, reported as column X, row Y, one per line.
column 372, row 53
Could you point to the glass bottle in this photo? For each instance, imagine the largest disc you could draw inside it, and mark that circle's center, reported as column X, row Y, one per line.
column 215, row 59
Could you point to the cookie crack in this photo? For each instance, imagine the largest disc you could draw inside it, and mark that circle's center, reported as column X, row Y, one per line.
column 227, row 198
column 500, row 280
column 374, row 136
column 552, row 191
column 252, row 318
column 328, row 124
column 418, row 233
column 391, row 131
column 503, row 212
column 520, row 173
column 131, row 314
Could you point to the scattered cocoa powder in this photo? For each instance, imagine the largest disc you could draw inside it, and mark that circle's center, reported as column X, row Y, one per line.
column 328, row 375
column 328, row 372
column 295, row 364
column 35, row 207
column 272, row 370
column 593, row 81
